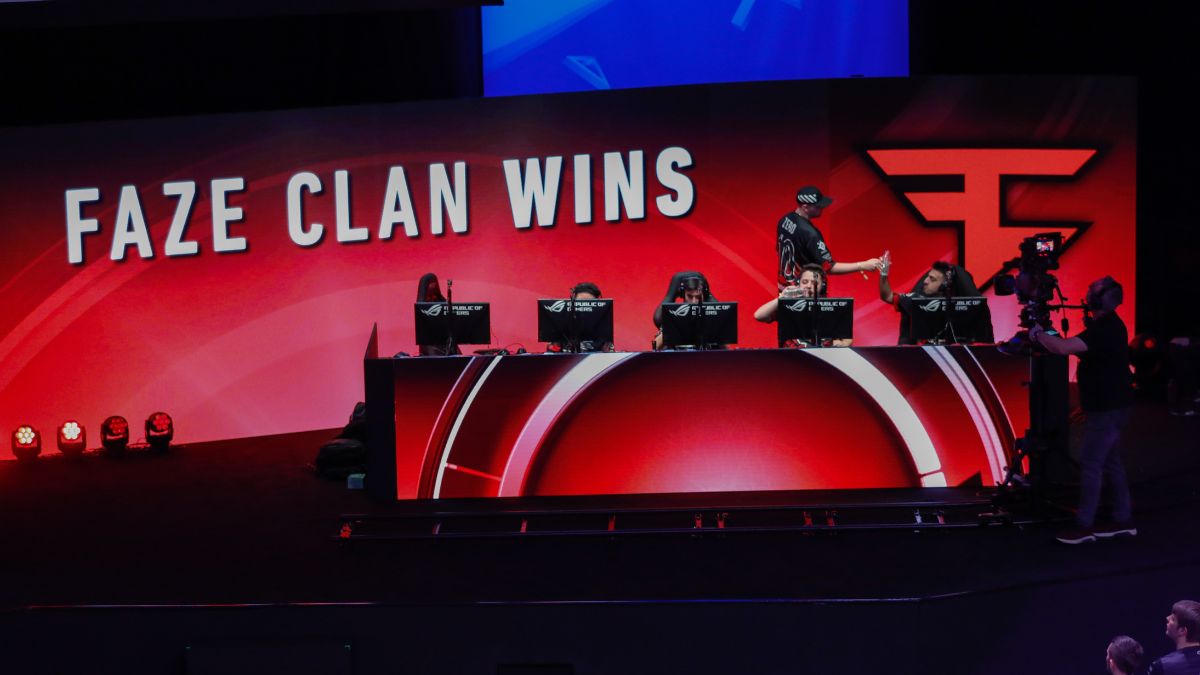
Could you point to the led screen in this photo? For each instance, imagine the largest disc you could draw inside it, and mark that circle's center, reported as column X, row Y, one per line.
column 534, row 46
column 228, row 269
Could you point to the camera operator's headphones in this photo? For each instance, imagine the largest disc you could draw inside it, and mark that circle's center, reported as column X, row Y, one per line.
column 1107, row 297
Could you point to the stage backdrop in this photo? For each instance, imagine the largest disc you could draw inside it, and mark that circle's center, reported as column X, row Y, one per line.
column 227, row 269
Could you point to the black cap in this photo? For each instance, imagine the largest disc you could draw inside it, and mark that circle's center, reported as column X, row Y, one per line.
column 811, row 195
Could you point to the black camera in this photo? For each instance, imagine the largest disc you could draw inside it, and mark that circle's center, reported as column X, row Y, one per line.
column 1033, row 284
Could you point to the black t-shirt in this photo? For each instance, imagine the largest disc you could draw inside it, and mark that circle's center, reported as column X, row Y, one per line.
column 904, row 305
column 1184, row 661
column 798, row 242
column 1104, row 379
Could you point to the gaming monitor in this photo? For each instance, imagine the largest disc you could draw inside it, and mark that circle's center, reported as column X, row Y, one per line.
column 703, row 326
column 813, row 320
column 468, row 323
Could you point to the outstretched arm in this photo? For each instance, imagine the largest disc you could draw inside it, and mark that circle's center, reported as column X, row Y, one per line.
column 885, row 287
column 815, row 251
column 850, row 268
column 1055, row 344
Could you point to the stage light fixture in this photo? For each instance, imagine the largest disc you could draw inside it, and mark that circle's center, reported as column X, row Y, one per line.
column 72, row 438
column 114, row 434
column 26, row 443
column 160, row 429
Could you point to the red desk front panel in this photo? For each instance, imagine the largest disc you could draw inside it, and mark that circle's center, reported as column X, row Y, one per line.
column 738, row 420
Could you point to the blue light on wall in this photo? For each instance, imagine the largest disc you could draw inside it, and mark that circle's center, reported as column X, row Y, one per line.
column 543, row 46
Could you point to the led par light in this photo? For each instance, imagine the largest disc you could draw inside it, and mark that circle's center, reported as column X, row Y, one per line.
column 72, row 438
column 114, row 434
column 159, row 430
column 26, row 443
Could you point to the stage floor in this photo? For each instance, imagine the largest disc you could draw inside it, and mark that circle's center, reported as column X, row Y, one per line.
column 246, row 521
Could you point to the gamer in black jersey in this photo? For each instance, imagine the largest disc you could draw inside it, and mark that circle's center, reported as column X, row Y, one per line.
column 798, row 242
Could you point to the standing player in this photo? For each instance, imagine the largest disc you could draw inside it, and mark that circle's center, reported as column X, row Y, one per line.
column 798, row 242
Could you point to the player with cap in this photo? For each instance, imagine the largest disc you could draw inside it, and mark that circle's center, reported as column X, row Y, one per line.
column 799, row 242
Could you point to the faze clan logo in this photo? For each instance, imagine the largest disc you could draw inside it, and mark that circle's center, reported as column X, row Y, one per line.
column 987, row 237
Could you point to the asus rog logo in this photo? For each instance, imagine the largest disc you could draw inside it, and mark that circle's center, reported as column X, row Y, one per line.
column 934, row 306
column 435, row 310
column 798, row 306
column 556, row 306
column 987, row 237
column 682, row 310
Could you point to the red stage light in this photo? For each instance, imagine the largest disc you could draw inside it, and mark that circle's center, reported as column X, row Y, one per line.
column 72, row 438
column 114, row 433
column 26, row 443
column 159, row 430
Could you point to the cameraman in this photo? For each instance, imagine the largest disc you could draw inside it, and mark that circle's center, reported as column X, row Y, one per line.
column 1105, row 394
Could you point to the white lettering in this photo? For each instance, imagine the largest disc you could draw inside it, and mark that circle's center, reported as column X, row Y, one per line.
column 444, row 195
column 186, row 192
column 677, row 182
column 77, row 225
column 130, row 227
column 295, row 209
column 397, row 206
column 223, row 215
column 341, row 199
column 621, row 186
column 533, row 191
column 583, row 189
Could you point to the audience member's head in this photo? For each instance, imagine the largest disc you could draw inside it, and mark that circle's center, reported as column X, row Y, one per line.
column 1183, row 623
column 1124, row 655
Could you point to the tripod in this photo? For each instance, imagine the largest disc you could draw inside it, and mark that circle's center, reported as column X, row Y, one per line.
column 1043, row 446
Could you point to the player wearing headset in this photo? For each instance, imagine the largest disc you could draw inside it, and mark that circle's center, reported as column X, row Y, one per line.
column 689, row 287
column 812, row 283
column 942, row 279
column 584, row 290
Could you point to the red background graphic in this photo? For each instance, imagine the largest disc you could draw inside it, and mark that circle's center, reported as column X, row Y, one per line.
column 270, row 340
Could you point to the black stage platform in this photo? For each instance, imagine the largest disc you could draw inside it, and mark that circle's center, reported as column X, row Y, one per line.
column 237, row 543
